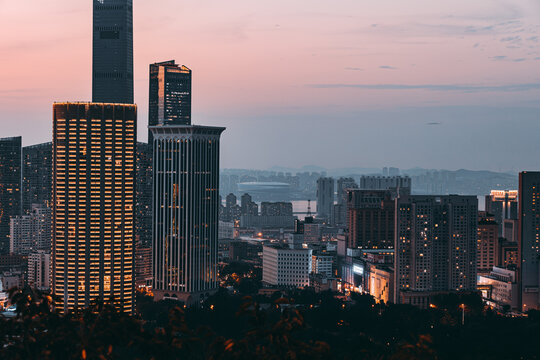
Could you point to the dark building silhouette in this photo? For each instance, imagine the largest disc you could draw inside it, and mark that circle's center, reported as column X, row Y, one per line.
column 185, row 211
column 10, row 186
column 370, row 215
column 37, row 175
column 169, row 96
column 93, row 191
column 529, row 239
column 112, row 71
column 143, row 198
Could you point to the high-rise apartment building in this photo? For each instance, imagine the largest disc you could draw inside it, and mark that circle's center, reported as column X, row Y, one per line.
column 487, row 254
column 31, row 232
column 10, row 186
column 37, row 176
column 435, row 246
column 169, row 96
column 325, row 197
column 112, row 65
column 39, row 267
column 529, row 239
column 503, row 204
column 93, row 192
column 185, row 211
column 143, row 197
column 370, row 215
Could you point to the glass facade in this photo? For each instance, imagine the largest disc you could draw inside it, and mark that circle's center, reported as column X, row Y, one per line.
column 169, row 96
column 185, row 211
column 112, row 69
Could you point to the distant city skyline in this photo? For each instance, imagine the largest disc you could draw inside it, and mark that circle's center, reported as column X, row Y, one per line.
column 429, row 84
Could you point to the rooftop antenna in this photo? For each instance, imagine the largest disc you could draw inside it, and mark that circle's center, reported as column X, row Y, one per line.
column 308, row 208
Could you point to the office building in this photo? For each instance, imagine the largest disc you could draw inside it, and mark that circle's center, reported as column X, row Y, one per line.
column 29, row 233
column 500, row 289
column 10, row 186
column 322, row 264
column 39, row 266
column 286, row 267
column 325, row 197
column 370, row 219
column 143, row 198
column 112, row 62
column 37, row 176
column 93, row 207
column 225, row 230
column 169, row 96
column 185, row 211
column 503, row 204
column 435, row 246
column 529, row 239
column 487, row 253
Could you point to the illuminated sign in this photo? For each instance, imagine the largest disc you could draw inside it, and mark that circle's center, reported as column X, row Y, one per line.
column 358, row 270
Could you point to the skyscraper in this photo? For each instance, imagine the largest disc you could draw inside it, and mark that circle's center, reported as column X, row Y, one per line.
column 93, row 191
column 169, row 96
column 112, row 70
column 10, row 186
column 529, row 239
column 435, row 246
column 325, row 197
column 503, row 204
column 185, row 211
column 37, row 175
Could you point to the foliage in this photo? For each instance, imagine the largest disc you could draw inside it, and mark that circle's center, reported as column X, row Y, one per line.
column 298, row 324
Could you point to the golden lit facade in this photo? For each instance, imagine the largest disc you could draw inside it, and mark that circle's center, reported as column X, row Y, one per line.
column 93, row 200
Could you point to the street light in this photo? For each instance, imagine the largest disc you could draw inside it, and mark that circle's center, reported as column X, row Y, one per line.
column 462, row 306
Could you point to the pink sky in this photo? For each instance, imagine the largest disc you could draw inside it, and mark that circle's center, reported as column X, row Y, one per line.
column 285, row 60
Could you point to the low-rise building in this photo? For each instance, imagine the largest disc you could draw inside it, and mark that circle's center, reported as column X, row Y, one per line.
column 500, row 289
column 283, row 266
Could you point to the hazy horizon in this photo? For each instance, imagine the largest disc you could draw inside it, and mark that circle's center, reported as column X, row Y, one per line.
column 349, row 84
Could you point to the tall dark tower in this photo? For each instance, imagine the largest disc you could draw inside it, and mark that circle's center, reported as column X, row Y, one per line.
column 10, row 186
column 169, row 96
column 112, row 73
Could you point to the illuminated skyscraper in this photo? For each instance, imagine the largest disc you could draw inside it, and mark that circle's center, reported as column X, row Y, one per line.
column 93, row 192
column 503, row 204
column 185, row 211
column 10, row 186
column 529, row 239
column 112, row 72
column 169, row 96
